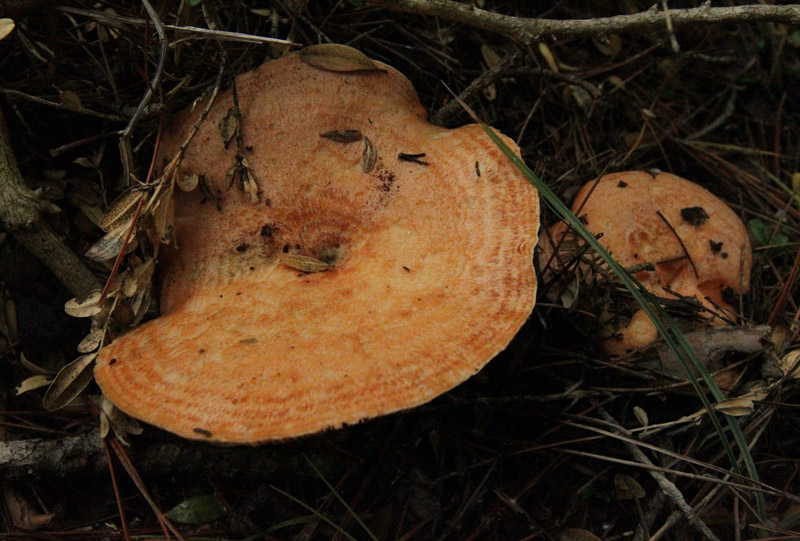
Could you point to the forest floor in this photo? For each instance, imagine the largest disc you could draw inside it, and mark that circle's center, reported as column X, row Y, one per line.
column 552, row 440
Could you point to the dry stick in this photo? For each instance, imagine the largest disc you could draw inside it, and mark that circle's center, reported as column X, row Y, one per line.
column 20, row 213
column 63, row 106
column 452, row 107
column 117, row 495
column 110, row 18
column 528, row 30
column 124, row 141
column 667, row 486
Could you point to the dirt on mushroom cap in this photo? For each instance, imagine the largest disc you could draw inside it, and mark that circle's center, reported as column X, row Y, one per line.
column 430, row 264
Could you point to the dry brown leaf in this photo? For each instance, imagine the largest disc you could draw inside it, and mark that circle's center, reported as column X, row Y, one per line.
column 31, row 383
column 790, row 364
column 109, row 246
column 69, row 382
column 578, row 534
column 229, row 127
column 609, row 45
column 736, row 407
column 21, row 512
column 69, row 97
column 88, row 308
column 342, row 136
column 6, row 27
column 641, row 416
column 187, row 183
column 121, row 424
column 489, row 55
column 164, row 214
column 627, row 488
column 369, row 156
column 121, row 210
column 335, row 57
column 304, row 263
column 91, row 341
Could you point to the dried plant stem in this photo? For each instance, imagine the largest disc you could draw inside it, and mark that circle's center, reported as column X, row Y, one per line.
column 21, row 215
column 527, row 30
column 451, row 108
column 666, row 486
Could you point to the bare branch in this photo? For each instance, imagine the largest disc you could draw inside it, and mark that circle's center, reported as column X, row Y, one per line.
column 530, row 30
column 20, row 214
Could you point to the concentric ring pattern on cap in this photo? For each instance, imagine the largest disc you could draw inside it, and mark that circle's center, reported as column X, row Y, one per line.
column 431, row 263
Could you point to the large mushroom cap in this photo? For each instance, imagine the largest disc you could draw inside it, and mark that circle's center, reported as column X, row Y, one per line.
column 697, row 245
column 429, row 263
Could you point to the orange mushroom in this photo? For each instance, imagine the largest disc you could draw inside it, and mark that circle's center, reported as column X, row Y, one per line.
column 379, row 262
column 695, row 244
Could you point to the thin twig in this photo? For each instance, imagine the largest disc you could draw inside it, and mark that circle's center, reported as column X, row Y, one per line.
column 192, row 30
column 667, row 486
column 452, row 107
column 62, row 106
column 528, row 30
column 680, row 241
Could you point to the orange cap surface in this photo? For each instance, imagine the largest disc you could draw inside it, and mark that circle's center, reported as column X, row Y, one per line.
column 696, row 243
column 430, row 263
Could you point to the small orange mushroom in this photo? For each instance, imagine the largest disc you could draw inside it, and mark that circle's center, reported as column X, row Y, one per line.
column 379, row 261
column 695, row 244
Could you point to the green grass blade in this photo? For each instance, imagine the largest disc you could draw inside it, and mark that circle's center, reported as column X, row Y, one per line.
column 672, row 336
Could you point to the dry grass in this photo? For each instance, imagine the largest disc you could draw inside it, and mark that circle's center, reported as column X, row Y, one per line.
column 535, row 443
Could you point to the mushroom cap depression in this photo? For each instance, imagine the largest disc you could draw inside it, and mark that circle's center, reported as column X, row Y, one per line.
column 697, row 244
column 425, row 236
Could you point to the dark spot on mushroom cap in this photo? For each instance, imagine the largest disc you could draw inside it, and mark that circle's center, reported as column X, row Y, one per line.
column 112, row 361
column 724, row 255
column 242, row 247
column 622, row 184
column 715, row 247
column 267, row 230
column 203, row 431
column 696, row 216
column 729, row 296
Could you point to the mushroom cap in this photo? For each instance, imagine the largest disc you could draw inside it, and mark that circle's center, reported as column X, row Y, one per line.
column 625, row 208
column 431, row 263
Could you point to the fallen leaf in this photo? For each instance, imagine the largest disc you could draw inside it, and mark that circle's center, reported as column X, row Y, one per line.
column 736, row 407
column 69, row 382
column 790, row 364
column 197, row 510
column 641, row 416
column 336, row 57
column 108, row 247
column 627, row 488
column 577, row 534
column 303, row 262
column 6, row 27
column 121, row 210
column 91, row 341
column 229, row 126
column 369, row 156
column 88, row 308
column 31, row 383
column 187, row 183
